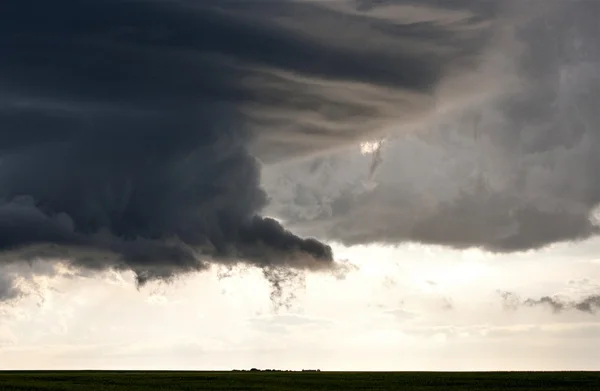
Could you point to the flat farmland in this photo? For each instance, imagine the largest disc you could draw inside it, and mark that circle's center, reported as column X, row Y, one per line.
column 282, row 381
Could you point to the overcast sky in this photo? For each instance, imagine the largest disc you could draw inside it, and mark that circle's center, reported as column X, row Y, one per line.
column 344, row 185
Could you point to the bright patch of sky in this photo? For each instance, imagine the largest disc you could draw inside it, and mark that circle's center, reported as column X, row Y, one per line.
column 405, row 308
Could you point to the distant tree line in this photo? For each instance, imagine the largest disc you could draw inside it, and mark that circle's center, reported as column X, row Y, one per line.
column 274, row 370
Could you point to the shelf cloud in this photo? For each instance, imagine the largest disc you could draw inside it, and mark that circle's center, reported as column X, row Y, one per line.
column 133, row 133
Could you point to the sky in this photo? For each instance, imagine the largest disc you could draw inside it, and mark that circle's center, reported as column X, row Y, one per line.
column 343, row 184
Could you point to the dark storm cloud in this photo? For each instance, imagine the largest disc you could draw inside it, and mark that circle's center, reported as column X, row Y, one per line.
column 129, row 129
column 589, row 304
column 511, row 172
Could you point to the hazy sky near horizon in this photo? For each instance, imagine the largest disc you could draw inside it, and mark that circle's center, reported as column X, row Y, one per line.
column 409, row 308
column 344, row 184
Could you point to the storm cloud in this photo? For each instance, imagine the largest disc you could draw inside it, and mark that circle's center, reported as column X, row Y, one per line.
column 510, row 171
column 132, row 132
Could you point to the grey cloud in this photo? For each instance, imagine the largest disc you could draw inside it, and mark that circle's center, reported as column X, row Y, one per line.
column 588, row 304
column 554, row 303
column 284, row 284
column 131, row 130
column 17, row 278
column 511, row 172
column 9, row 290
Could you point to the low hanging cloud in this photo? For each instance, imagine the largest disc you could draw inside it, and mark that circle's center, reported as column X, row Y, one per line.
column 589, row 304
column 132, row 132
column 511, row 171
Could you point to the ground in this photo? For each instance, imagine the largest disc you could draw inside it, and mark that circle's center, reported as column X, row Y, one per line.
column 282, row 381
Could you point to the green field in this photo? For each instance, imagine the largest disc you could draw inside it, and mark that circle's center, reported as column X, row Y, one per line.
column 282, row 381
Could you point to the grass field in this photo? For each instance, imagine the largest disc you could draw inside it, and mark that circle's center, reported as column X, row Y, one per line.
column 282, row 381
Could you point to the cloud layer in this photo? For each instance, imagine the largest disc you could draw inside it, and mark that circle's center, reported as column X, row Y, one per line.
column 511, row 170
column 130, row 130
